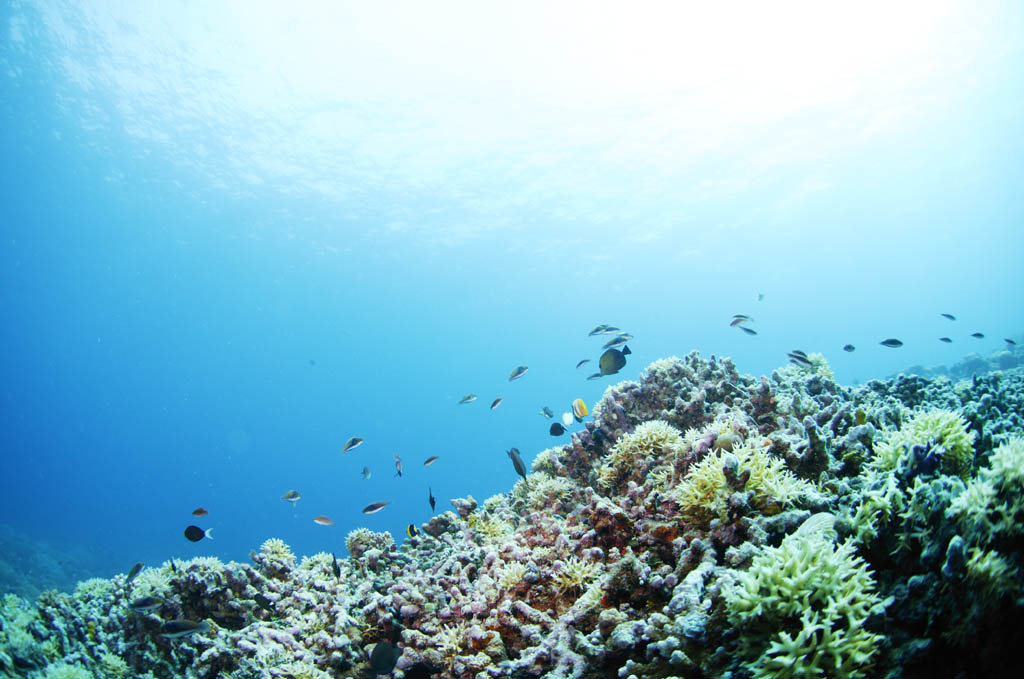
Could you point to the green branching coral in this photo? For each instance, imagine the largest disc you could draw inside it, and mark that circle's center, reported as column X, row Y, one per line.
column 650, row 444
column 704, row 492
column 992, row 505
column 801, row 608
column 944, row 430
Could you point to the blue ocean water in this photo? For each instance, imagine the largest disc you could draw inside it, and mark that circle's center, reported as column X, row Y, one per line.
column 234, row 236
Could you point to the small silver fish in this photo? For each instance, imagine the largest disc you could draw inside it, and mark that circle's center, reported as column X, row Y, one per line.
column 374, row 507
column 430, row 460
column 496, row 402
column 352, row 444
column 468, row 398
column 586, row 360
column 518, row 372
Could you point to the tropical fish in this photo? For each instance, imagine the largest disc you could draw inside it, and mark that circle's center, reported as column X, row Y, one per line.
column 891, row 343
column 599, row 330
column 322, row 520
column 292, row 496
column 736, row 321
column 1010, row 342
column 264, row 602
column 496, row 402
column 352, row 444
column 800, row 358
column 613, row 360
column 594, row 376
column 430, row 498
column 949, row 316
column 134, row 571
column 468, row 398
column 374, row 507
column 747, row 330
column 366, row 473
column 518, row 372
column 411, row 530
column 398, row 465
column 799, row 353
column 546, row 412
column 175, row 629
column 383, row 657
column 335, row 568
column 615, row 343
column 195, row 533
column 978, row 335
column 517, row 462
column 431, row 460
column 848, row 347
column 946, row 340
column 556, row 429
column 199, row 511
column 586, row 360
column 579, row 409
column 146, row 603
column 566, row 420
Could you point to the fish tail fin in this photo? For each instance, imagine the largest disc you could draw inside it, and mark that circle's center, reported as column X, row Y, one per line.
column 208, row 533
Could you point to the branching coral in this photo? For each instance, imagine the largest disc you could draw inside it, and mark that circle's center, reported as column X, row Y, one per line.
column 802, row 608
column 651, row 444
column 931, row 440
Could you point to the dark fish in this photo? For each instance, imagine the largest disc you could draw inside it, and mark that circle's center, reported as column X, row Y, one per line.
column 737, row 321
column 946, row 340
column 411, row 530
column 195, row 533
column 134, row 571
column 352, row 444
column 518, row 372
column 517, row 461
column 799, row 360
column 292, row 496
column 615, row 342
column 147, row 603
column 848, row 347
column 175, row 629
column 586, row 360
column 398, row 465
column 174, row 569
column 496, row 402
column 366, row 473
column 1010, row 342
column 547, row 412
column 949, row 316
column 263, row 602
column 556, row 429
column 199, row 511
column 742, row 317
column 599, row 330
column 335, row 568
column 384, row 656
column 891, row 343
column 431, row 460
column 747, row 330
column 430, row 498
column 978, row 335
column 374, row 507
column 613, row 360
column 593, row 377
column 468, row 398
column 798, row 353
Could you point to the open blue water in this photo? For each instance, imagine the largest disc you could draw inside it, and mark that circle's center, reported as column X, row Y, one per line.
column 235, row 235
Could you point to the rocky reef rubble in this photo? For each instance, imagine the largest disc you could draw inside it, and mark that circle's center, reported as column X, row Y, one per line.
column 703, row 523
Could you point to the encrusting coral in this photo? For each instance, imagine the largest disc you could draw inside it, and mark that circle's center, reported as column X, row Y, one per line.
column 702, row 523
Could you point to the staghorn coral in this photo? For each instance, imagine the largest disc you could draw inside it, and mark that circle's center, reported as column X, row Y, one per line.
column 803, row 606
column 928, row 441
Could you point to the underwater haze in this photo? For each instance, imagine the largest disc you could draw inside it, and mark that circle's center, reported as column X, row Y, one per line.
column 237, row 234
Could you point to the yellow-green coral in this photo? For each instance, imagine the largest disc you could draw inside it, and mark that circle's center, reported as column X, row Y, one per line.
column 655, row 439
column 992, row 574
column 801, row 609
column 944, row 430
column 362, row 539
column 574, row 575
column 113, row 666
column 277, row 550
column 704, row 492
column 545, row 489
column 66, row 671
column 993, row 500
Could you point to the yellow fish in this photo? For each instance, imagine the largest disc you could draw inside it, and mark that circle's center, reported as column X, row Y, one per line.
column 579, row 409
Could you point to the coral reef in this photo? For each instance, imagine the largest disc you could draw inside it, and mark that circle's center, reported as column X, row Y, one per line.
column 702, row 523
